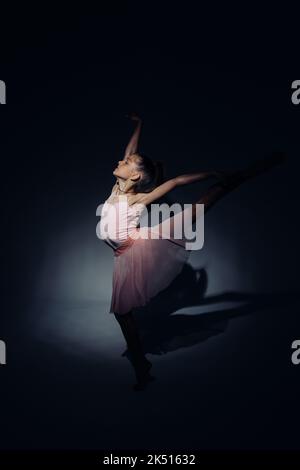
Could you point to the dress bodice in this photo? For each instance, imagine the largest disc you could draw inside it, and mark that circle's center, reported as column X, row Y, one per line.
column 119, row 220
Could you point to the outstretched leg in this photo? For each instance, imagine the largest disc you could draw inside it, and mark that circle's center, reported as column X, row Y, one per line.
column 217, row 191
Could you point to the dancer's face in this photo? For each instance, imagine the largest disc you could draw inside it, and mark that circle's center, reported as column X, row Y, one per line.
column 127, row 168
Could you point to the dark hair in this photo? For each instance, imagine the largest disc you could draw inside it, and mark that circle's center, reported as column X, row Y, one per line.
column 153, row 174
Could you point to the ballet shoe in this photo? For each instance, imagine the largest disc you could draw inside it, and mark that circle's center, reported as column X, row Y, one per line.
column 265, row 164
column 143, row 376
column 260, row 166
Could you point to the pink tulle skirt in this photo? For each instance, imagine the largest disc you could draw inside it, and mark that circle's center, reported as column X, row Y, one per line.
column 143, row 268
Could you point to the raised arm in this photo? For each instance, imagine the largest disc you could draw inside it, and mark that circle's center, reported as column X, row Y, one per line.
column 134, row 141
column 161, row 190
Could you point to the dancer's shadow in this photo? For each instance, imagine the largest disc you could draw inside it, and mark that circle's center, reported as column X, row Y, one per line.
column 162, row 332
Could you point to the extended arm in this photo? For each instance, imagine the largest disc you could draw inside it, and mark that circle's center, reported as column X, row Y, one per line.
column 164, row 188
column 134, row 141
column 193, row 177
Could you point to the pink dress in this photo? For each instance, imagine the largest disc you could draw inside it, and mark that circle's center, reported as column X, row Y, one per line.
column 142, row 266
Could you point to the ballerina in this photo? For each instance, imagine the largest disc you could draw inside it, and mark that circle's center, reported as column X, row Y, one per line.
column 144, row 266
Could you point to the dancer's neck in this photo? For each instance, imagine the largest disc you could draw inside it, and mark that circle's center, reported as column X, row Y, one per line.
column 122, row 185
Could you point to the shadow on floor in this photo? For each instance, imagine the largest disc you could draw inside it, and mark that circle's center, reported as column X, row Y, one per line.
column 163, row 331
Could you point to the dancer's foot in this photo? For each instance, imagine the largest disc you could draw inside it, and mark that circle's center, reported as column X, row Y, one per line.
column 265, row 164
column 258, row 167
column 143, row 376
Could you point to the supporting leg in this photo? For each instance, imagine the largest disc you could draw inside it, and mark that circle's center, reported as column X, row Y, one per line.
column 131, row 334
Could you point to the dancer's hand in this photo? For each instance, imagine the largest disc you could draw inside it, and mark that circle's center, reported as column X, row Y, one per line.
column 132, row 145
column 133, row 117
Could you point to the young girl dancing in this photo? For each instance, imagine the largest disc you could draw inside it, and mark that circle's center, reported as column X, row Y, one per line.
column 144, row 266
